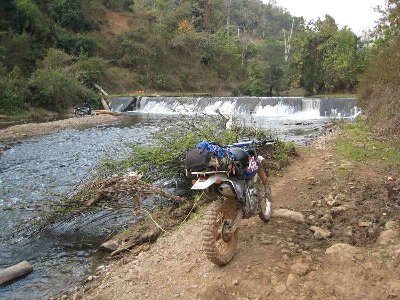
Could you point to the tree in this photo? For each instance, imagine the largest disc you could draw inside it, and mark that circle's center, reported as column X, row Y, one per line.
column 340, row 59
column 324, row 58
column 389, row 24
column 257, row 79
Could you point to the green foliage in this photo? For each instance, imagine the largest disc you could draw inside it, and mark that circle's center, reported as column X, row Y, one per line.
column 274, row 78
column 389, row 25
column 69, row 14
column 325, row 59
column 379, row 89
column 279, row 155
column 257, row 80
column 55, row 86
column 30, row 17
column 13, row 91
column 341, row 61
column 118, row 5
column 58, row 90
column 165, row 157
column 74, row 43
column 175, row 46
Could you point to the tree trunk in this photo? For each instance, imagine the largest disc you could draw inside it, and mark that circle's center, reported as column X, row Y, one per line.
column 228, row 4
column 207, row 14
column 15, row 272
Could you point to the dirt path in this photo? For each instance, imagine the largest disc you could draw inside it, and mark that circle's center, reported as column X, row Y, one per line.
column 18, row 132
column 281, row 259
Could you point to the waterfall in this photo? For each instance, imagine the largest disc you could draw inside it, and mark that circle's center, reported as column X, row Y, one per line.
column 268, row 107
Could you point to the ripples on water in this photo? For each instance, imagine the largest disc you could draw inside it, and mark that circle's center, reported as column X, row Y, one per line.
column 40, row 170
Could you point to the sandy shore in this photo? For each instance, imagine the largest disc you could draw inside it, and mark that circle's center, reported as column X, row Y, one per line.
column 18, row 132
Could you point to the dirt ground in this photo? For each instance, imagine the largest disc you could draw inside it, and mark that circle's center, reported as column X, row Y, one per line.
column 19, row 132
column 354, row 254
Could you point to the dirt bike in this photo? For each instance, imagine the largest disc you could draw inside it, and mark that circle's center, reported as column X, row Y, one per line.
column 238, row 185
column 83, row 111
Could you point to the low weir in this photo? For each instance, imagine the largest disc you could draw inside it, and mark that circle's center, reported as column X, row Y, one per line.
column 271, row 107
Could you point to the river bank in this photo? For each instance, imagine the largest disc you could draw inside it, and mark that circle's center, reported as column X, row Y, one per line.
column 22, row 131
column 347, row 187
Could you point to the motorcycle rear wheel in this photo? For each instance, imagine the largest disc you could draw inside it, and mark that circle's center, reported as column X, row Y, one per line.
column 265, row 201
column 218, row 250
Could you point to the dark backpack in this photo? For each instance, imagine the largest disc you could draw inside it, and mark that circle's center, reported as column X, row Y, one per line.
column 197, row 160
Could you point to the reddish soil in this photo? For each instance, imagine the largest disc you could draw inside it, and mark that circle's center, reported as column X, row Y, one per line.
column 116, row 23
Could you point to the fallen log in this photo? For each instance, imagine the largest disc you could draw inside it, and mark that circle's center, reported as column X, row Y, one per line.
column 15, row 272
column 105, row 104
column 107, row 112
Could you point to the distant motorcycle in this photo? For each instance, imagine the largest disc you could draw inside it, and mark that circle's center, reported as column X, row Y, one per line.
column 233, row 176
column 85, row 110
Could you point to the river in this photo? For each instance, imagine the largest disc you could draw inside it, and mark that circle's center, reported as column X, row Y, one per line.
column 36, row 172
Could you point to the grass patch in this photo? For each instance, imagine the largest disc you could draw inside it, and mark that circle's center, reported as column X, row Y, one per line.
column 344, row 95
column 359, row 144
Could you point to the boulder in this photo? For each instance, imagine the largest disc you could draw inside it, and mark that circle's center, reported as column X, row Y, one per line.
column 292, row 280
column 110, row 246
column 300, row 268
column 289, row 214
column 388, row 236
column 391, row 225
column 342, row 252
column 339, row 209
column 320, row 233
column 280, row 289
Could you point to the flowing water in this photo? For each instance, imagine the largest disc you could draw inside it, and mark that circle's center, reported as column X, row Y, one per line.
column 38, row 171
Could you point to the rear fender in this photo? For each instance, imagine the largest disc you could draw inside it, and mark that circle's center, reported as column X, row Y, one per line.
column 202, row 184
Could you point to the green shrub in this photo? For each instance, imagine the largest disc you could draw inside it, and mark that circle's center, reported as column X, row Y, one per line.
column 91, row 70
column 70, row 14
column 95, row 70
column 257, row 79
column 164, row 158
column 75, row 43
column 57, row 84
column 30, row 17
column 13, row 91
column 58, row 90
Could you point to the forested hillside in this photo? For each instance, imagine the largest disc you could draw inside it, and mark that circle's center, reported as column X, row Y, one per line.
column 52, row 51
column 379, row 89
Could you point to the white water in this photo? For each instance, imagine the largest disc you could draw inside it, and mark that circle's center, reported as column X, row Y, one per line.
column 277, row 108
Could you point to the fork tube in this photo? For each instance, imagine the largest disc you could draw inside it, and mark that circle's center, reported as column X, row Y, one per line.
column 261, row 173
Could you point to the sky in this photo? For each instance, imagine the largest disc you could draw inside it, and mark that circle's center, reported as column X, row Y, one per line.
column 359, row 15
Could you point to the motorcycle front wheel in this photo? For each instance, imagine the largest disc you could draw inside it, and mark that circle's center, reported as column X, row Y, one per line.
column 265, row 201
column 79, row 113
column 219, row 248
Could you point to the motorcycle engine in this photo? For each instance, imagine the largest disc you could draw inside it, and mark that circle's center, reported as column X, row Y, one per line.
column 252, row 199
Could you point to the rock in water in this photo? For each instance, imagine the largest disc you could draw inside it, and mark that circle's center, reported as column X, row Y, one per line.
column 15, row 272
column 110, row 246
